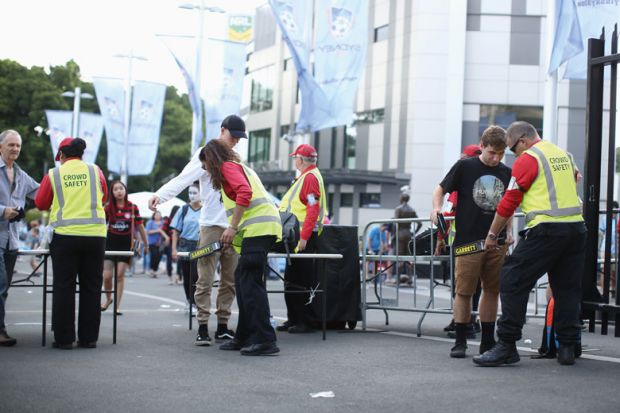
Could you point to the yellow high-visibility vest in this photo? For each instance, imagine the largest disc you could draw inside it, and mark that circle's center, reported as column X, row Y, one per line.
column 553, row 194
column 260, row 218
column 292, row 203
column 77, row 207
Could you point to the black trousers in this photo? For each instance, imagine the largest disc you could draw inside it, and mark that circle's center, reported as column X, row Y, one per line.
column 80, row 258
column 155, row 257
column 253, row 326
column 189, row 270
column 299, row 275
column 555, row 249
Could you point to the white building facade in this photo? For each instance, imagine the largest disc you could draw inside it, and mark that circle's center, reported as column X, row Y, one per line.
column 437, row 74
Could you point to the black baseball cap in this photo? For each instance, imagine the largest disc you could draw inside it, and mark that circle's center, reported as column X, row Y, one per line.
column 235, row 125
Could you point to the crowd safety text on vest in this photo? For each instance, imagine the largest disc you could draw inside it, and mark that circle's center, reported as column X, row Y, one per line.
column 560, row 163
column 73, row 180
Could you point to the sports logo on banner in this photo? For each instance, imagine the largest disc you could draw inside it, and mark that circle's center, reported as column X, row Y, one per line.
column 340, row 21
column 240, row 28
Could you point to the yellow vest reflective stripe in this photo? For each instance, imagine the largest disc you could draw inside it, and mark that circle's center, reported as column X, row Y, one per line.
column 292, row 203
column 260, row 218
column 553, row 194
column 84, row 214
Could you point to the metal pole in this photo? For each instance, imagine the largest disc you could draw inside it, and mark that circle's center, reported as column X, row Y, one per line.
column 550, row 108
column 125, row 162
column 76, row 112
column 196, row 125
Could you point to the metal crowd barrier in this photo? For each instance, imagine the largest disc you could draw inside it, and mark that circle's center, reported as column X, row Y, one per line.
column 429, row 305
column 45, row 253
column 322, row 260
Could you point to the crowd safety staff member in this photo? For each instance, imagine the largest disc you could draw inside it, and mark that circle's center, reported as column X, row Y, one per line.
column 76, row 192
column 306, row 200
column 254, row 226
column 543, row 182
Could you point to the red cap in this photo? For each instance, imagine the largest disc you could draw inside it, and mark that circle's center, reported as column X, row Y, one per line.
column 63, row 143
column 472, row 150
column 305, row 150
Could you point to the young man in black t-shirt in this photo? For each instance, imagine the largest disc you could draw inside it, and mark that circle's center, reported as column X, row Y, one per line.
column 481, row 182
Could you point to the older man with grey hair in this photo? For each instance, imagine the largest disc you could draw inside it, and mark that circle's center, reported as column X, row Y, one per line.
column 15, row 186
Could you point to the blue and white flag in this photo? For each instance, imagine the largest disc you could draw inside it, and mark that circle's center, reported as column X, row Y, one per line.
column 223, row 83
column 91, row 128
column 294, row 17
column 339, row 58
column 576, row 22
column 183, row 53
column 146, row 117
column 111, row 99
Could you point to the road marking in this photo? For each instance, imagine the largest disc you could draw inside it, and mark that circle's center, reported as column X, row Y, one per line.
column 477, row 343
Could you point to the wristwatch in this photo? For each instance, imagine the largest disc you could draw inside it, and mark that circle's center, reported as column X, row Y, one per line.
column 491, row 236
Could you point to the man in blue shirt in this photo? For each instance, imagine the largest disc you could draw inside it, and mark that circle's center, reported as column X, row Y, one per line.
column 15, row 186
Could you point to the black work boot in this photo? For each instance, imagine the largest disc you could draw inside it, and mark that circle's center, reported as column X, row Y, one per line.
column 487, row 341
column 566, row 354
column 460, row 346
column 501, row 353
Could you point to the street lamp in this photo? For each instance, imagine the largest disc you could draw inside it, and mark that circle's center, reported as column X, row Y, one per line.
column 198, row 67
column 77, row 96
column 125, row 162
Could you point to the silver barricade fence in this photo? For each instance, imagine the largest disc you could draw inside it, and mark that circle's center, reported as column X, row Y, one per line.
column 430, row 305
column 45, row 253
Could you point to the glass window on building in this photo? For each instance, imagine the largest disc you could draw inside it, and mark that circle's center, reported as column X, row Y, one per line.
column 382, row 33
column 258, row 145
column 261, row 97
column 504, row 115
column 346, row 200
column 370, row 200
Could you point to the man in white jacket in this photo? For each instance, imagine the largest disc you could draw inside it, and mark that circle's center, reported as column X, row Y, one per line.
column 212, row 223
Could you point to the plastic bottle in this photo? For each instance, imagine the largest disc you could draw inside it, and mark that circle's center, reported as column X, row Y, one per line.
column 273, row 322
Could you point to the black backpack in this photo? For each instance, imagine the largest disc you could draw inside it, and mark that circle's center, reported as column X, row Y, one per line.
column 290, row 234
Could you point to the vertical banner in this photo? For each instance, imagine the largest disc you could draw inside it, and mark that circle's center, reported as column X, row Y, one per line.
column 146, row 117
column 576, row 22
column 339, row 57
column 294, row 17
column 91, row 128
column 223, row 83
column 240, row 28
column 111, row 99
column 58, row 126
column 182, row 50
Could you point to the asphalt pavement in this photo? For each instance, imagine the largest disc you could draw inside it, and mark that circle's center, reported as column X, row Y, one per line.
column 155, row 366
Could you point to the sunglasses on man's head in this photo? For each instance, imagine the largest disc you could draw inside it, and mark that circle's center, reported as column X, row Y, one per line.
column 513, row 148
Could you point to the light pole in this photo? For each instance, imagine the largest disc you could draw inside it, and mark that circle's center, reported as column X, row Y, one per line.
column 127, row 118
column 198, row 67
column 77, row 95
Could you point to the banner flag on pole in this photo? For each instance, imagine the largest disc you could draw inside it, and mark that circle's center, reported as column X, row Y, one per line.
column 111, row 98
column 576, row 22
column 339, row 57
column 223, row 86
column 146, row 116
column 91, row 128
column 183, row 51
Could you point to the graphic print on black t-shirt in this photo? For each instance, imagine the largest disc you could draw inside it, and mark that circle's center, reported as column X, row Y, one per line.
column 487, row 192
column 480, row 188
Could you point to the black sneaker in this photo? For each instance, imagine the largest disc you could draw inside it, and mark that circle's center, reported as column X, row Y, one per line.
column 231, row 345
column 458, row 351
column 449, row 327
column 471, row 333
column 223, row 333
column 203, row 339
column 284, row 326
column 262, row 349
